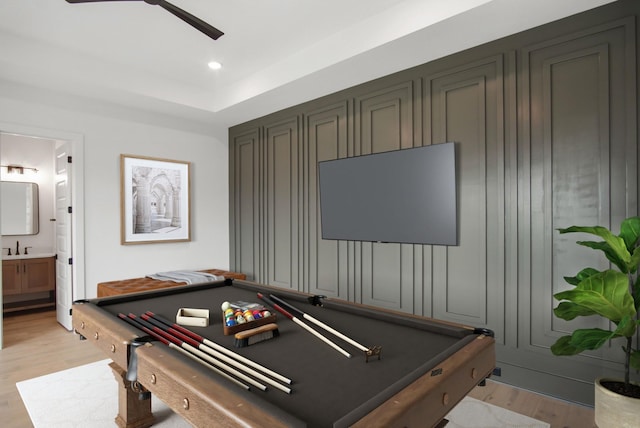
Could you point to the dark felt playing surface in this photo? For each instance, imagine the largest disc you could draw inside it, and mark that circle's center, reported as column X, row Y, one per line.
column 328, row 388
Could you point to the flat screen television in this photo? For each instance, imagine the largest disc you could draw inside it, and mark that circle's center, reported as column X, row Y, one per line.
column 402, row 196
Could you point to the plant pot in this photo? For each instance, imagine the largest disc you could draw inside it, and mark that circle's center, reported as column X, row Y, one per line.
column 613, row 410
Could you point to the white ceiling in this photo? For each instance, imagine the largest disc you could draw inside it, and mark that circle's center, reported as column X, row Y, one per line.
column 275, row 53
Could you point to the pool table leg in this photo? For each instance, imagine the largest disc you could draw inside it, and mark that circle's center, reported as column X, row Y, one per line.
column 133, row 412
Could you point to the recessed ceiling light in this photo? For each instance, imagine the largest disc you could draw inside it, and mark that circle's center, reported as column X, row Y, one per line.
column 215, row 65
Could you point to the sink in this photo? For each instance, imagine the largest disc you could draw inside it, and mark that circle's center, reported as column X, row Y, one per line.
column 36, row 255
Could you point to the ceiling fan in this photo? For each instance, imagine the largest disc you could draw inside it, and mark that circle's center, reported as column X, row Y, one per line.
column 195, row 22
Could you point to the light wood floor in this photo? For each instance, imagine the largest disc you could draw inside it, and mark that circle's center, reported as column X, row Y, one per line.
column 35, row 345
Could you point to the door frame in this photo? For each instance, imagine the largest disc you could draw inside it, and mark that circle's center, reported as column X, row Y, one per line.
column 76, row 141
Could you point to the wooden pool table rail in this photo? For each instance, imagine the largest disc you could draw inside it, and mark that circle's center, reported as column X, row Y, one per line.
column 437, row 392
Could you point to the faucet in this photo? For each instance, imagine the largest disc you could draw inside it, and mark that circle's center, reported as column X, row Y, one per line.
column 8, row 251
column 17, row 248
column 26, row 250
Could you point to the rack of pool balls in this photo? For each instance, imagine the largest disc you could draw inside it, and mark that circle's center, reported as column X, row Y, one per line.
column 239, row 316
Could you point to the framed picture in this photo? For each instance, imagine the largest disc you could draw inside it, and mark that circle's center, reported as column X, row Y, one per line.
column 154, row 200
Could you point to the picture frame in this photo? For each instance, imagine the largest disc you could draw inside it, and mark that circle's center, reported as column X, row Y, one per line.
column 155, row 204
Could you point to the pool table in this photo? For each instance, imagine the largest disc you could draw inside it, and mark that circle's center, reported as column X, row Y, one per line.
column 425, row 366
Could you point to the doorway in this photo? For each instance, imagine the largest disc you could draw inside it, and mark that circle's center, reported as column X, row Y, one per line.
column 67, row 160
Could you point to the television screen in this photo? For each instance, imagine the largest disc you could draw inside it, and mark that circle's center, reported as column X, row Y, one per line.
column 401, row 196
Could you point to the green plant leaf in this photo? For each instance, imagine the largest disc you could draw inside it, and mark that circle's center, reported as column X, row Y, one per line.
column 615, row 248
column 614, row 295
column 573, row 280
column 591, row 338
column 612, row 255
column 635, row 260
column 583, row 274
column 563, row 346
column 630, row 232
column 626, row 327
column 569, row 310
column 606, row 293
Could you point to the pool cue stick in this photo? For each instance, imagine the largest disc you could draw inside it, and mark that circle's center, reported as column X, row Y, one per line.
column 303, row 325
column 182, row 351
column 319, row 323
column 199, row 353
column 215, row 354
column 219, row 347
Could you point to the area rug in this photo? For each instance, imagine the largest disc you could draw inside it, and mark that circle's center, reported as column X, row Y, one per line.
column 83, row 397
column 472, row 413
column 86, row 396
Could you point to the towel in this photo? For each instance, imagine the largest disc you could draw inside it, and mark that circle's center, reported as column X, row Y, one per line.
column 188, row 276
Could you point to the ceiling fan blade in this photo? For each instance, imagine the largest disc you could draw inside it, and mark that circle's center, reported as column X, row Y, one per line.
column 194, row 21
column 95, row 1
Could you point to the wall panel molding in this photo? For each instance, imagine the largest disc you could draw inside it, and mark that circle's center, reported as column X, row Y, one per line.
column 283, row 204
column 244, row 218
column 580, row 85
column 385, row 121
column 467, row 106
column 326, row 138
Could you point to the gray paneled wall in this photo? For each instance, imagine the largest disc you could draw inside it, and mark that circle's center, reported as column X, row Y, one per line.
column 546, row 129
column 383, row 122
column 325, row 262
column 579, row 166
column 467, row 105
column 282, row 218
column 244, row 174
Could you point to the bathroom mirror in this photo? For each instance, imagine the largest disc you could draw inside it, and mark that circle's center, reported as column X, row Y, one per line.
column 19, row 207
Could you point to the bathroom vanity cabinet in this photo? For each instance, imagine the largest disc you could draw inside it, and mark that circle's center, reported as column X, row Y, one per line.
column 28, row 283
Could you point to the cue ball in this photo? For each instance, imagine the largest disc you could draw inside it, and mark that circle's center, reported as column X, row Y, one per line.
column 225, row 306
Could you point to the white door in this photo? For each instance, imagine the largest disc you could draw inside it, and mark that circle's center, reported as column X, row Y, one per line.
column 64, row 277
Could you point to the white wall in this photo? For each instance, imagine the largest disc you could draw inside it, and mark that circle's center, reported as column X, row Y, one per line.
column 109, row 131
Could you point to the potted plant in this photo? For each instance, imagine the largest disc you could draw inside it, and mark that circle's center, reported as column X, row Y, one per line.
column 615, row 295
